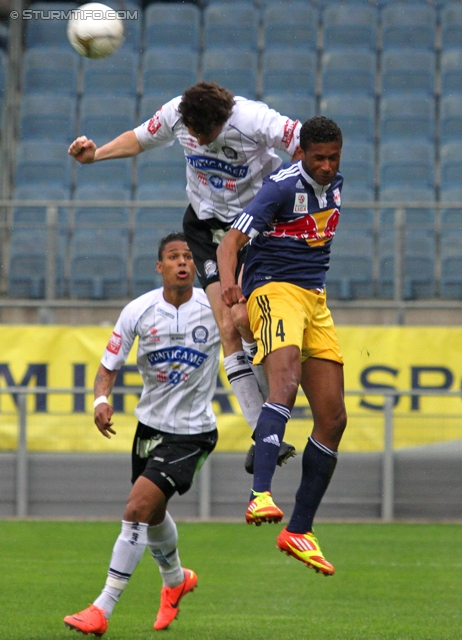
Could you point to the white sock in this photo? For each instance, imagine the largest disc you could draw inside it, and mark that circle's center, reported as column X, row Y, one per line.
column 162, row 541
column 250, row 349
column 244, row 385
column 128, row 551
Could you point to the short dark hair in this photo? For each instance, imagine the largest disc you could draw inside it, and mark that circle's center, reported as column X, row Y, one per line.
column 205, row 106
column 319, row 129
column 174, row 236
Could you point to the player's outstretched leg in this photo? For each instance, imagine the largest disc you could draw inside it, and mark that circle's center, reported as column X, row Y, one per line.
column 286, row 452
column 262, row 509
column 304, row 547
column 170, row 598
column 89, row 621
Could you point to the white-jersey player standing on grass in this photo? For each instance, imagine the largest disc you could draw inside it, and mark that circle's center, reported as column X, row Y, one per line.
column 229, row 146
column 178, row 356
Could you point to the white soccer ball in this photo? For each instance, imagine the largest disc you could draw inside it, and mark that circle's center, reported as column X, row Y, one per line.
column 95, row 30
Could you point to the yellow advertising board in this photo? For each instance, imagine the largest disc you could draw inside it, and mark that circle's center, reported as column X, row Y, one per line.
column 376, row 357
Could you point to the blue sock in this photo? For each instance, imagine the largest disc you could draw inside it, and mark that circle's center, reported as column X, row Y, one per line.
column 318, row 464
column 269, row 434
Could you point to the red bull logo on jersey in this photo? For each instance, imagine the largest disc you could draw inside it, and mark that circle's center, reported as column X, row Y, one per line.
column 316, row 229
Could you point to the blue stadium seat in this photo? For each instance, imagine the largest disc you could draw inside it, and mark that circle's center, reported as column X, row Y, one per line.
column 47, row 163
column 42, row 30
column 450, row 118
column 409, row 25
column 451, row 263
column 110, row 173
column 295, row 107
column 114, row 217
column 350, row 275
column 354, row 217
column 164, row 165
column 231, row 25
column 348, row 71
column 150, row 104
column 355, row 115
column 451, row 26
column 51, row 70
column 451, row 217
column 418, row 268
column 294, row 28
column 132, row 15
column 145, row 243
column 169, row 71
column 407, row 117
column 414, row 168
column 278, row 72
column 116, row 75
column 350, row 25
column 325, row 3
column 98, row 264
column 169, row 218
column 405, row 70
column 451, row 164
column 103, row 118
column 28, row 263
column 451, row 72
column 420, row 218
column 357, row 164
column 232, row 68
column 172, row 25
column 3, row 65
column 45, row 117
column 36, row 215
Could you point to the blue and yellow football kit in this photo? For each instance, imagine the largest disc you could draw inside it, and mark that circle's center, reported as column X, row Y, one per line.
column 291, row 221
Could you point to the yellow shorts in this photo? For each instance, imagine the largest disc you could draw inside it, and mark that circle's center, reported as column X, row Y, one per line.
column 282, row 314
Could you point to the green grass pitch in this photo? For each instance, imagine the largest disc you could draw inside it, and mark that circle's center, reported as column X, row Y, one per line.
column 394, row 581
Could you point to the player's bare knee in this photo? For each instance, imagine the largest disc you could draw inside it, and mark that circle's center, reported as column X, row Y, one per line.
column 137, row 512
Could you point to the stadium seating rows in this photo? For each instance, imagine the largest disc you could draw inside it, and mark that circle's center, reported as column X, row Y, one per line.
column 383, row 70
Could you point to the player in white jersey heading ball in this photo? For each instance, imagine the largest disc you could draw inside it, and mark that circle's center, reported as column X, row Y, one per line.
column 178, row 356
column 229, row 146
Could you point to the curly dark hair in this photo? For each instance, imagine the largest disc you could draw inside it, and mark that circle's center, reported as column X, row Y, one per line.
column 319, row 129
column 174, row 236
column 205, row 106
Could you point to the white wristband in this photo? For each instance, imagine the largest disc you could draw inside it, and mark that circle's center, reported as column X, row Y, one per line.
column 100, row 400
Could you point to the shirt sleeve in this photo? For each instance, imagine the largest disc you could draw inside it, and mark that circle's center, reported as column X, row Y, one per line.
column 121, row 341
column 159, row 130
column 260, row 211
column 276, row 130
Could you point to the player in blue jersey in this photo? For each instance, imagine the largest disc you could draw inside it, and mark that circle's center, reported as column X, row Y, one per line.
column 291, row 223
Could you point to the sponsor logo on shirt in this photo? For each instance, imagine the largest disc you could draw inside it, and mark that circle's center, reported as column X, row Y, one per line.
column 214, row 164
column 172, row 377
column 200, row 334
column 317, row 230
column 231, row 184
column 114, row 344
column 216, row 182
column 152, row 335
column 288, row 134
column 229, row 153
column 155, row 123
column 337, row 197
column 202, row 177
column 183, row 355
column 301, row 203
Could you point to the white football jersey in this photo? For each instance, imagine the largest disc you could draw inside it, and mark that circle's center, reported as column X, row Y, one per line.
column 178, row 356
column 224, row 176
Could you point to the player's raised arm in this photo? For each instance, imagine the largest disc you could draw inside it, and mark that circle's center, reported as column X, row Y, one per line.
column 227, row 264
column 124, row 146
column 104, row 383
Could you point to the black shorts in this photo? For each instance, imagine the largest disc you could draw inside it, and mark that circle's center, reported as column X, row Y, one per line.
column 203, row 237
column 170, row 461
